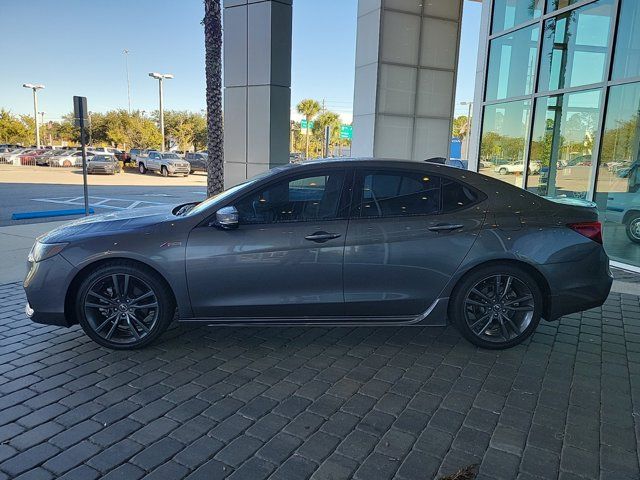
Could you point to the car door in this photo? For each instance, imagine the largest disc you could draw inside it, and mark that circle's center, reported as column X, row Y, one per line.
column 409, row 232
column 285, row 258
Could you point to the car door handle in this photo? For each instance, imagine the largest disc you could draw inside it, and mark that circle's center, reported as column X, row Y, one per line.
column 445, row 227
column 321, row 237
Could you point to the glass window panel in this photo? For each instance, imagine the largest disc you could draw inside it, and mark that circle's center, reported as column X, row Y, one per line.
column 509, row 13
column 294, row 200
column 574, row 47
column 512, row 64
column 397, row 89
column 626, row 62
column 505, row 128
column 557, row 4
column 564, row 130
column 618, row 187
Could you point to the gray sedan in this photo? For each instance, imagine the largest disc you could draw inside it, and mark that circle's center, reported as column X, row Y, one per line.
column 333, row 242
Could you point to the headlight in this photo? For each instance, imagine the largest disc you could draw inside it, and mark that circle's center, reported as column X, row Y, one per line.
column 42, row 251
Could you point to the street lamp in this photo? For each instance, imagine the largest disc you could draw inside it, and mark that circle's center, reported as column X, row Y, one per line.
column 468, row 135
column 35, row 87
column 161, row 77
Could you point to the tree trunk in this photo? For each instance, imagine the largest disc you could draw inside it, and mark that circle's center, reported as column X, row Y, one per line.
column 306, row 151
column 213, row 71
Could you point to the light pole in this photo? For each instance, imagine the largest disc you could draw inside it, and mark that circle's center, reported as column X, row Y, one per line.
column 468, row 133
column 161, row 77
column 125, row 52
column 42, row 114
column 35, row 87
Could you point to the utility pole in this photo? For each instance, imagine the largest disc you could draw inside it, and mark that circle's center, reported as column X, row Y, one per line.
column 35, row 88
column 161, row 77
column 126, row 63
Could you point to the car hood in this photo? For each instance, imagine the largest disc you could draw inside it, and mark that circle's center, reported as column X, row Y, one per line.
column 107, row 223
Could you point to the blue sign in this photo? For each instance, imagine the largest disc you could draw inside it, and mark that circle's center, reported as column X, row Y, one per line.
column 456, row 148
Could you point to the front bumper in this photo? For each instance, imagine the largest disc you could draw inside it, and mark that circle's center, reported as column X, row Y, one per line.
column 46, row 286
column 175, row 170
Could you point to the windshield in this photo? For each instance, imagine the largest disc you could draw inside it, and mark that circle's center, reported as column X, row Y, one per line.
column 171, row 156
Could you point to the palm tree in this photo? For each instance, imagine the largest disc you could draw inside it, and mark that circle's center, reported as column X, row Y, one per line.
column 309, row 108
column 213, row 70
column 331, row 120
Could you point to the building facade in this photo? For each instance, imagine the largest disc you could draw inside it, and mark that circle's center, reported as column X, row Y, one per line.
column 558, row 104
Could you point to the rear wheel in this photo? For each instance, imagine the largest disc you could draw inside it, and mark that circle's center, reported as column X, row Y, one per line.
column 497, row 306
column 141, row 168
column 633, row 228
column 503, row 171
column 122, row 306
column 66, row 163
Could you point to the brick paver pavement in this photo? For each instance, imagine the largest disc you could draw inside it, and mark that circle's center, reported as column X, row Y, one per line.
column 326, row 403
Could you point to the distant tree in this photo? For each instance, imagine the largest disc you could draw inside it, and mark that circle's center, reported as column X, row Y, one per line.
column 460, row 127
column 213, row 71
column 331, row 120
column 14, row 130
column 309, row 108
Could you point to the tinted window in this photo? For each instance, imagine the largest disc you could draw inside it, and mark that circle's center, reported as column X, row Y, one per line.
column 295, row 200
column 456, row 196
column 390, row 194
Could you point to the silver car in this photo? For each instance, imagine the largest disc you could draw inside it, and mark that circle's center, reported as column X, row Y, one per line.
column 333, row 242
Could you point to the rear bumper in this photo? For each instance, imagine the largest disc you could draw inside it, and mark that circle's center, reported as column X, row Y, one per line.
column 577, row 286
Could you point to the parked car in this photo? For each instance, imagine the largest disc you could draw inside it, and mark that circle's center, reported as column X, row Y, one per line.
column 457, row 163
column 197, row 160
column 330, row 242
column 69, row 158
column 624, row 208
column 166, row 163
column 12, row 157
column 515, row 167
column 103, row 163
column 29, row 157
column 134, row 152
column 44, row 159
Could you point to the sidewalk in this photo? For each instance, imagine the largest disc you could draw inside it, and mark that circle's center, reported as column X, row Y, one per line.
column 15, row 243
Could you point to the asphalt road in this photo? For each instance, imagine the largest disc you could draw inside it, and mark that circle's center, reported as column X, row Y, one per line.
column 28, row 197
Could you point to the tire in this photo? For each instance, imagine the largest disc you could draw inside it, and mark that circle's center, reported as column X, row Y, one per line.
column 503, row 323
column 135, row 327
column 632, row 227
column 503, row 171
column 164, row 171
column 142, row 169
column 66, row 163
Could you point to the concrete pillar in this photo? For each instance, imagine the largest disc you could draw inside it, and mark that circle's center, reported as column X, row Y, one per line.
column 406, row 62
column 257, row 86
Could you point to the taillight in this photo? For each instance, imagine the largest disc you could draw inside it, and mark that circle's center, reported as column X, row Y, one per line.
column 591, row 230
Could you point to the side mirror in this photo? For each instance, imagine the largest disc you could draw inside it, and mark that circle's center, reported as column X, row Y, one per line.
column 227, row 218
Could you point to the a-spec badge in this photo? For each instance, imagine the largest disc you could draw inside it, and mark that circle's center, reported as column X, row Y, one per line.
column 170, row 244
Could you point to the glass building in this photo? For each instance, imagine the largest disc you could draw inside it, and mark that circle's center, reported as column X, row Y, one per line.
column 559, row 98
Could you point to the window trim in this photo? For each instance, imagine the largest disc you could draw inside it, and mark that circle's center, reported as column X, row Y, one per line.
column 358, row 183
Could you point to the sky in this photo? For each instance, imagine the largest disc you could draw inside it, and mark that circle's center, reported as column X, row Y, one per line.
column 74, row 47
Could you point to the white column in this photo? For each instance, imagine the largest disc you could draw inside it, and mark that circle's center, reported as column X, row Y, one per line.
column 257, row 81
column 406, row 62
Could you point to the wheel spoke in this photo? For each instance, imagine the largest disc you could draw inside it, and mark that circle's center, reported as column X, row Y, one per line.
column 497, row 292
column 132, row 328
column 503, row 328
column 126, row 285
column 148, row 305
column 140, row 324
column 507, row 287
column 477, row 292
column 524, row 298
column 97, row 305
column 103, row 324
column 480, row 321
column 113, row 328
column 114, row 279
column 141, row 297
column 468, row 301
column 510, row 323
column 523, row 308
column 100, row 297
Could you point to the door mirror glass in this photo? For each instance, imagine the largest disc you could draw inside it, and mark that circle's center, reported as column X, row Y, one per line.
column 227, row 218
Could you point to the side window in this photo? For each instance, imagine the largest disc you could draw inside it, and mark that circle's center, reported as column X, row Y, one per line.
column 302, row 199
column 392, row 193
column 456, row 196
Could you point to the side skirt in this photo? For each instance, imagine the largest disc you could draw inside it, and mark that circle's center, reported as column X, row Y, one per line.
column 434, row 316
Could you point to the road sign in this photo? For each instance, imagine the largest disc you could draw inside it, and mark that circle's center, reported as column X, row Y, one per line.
column 303, row 124
column 80, row 110
column 346, row 131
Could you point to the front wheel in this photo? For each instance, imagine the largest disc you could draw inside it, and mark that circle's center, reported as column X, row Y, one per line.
column 503, row 171
column 142, row 169
column 497, row 306
column 633, row 228
column 123, row 306
column 164, row 171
